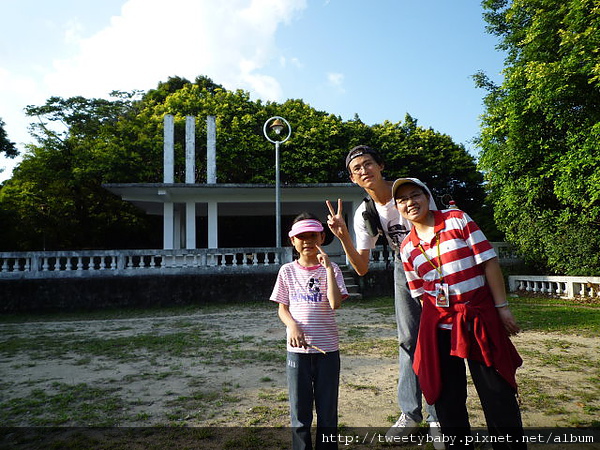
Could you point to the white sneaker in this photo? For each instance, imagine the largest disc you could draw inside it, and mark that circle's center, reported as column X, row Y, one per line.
column 436, row 433
column 404, row 426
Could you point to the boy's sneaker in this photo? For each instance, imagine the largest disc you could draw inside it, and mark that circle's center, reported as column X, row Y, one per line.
column 404, row 426
column 436, row 433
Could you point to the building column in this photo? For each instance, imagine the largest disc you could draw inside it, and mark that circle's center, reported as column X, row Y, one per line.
column 190, row 225
column 213, row 225
column 168, row 224
column 178, row 225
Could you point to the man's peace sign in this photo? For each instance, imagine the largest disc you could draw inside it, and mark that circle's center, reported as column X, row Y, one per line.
column 335, row 220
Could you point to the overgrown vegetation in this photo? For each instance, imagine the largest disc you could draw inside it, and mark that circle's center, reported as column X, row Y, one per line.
column 55, row 197
column 540, row 139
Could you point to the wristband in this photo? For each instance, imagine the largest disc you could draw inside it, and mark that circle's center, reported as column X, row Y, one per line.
column 501, row 305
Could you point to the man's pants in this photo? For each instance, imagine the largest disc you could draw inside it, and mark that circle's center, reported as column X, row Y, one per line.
column 408, row 316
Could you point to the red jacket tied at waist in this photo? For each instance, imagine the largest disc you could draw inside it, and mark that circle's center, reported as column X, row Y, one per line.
column 486, row 341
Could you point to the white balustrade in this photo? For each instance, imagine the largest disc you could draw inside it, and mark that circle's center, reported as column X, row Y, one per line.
column 555, row 285
column 139, row 262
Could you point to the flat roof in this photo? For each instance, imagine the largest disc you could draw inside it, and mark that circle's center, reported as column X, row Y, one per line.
column 235, row 199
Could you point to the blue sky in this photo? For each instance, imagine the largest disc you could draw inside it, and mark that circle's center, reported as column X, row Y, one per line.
column 379, row 59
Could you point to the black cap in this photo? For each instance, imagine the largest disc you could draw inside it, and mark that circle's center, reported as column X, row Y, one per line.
column 361, row 150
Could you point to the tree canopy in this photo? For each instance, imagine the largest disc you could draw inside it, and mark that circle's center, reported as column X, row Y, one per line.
column 55, row 199
column 6, row 146
column 540, row 138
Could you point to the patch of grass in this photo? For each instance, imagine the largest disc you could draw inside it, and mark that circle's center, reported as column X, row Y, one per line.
column 357, row 332
column 132, row 313
column 576, row 316
column 273, row 395
column 557, row 315
column 199, row 405
column 64, row 404
column 142, row 417
column 244, row 356
column 374, row 347
column 383, row 305
column 266, row 415
column 563, row 361
column 196, row 341
column 363, row 387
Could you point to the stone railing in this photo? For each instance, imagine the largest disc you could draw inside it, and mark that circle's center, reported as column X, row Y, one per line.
column 87, row 263
column 15, row 265
column 569, row 287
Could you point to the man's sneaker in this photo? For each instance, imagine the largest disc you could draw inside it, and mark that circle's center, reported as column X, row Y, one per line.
column 436, row 433
column 404, row 426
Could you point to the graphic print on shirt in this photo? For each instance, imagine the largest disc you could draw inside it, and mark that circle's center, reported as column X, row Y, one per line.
column 311, row 292
column 397, row 232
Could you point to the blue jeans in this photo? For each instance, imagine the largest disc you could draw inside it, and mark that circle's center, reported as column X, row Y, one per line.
column 408, row 317
column 313, row 378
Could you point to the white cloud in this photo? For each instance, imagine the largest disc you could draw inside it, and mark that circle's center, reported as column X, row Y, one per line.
column 229, row 41
column 73, row 32
column 293, row 61
column 336, row 80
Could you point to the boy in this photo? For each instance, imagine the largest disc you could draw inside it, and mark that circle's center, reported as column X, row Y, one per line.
column 453, row 269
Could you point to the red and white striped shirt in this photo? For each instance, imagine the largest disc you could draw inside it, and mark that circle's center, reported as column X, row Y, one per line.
column 462, row 247
column 304, row 290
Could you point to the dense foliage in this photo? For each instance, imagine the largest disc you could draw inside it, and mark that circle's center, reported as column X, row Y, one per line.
column 55, row 198
column 6, row 146
column 540, row 138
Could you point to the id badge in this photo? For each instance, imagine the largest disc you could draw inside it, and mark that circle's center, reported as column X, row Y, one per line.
column 442, row 295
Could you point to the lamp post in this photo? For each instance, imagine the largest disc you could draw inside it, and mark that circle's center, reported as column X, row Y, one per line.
column 279, row 126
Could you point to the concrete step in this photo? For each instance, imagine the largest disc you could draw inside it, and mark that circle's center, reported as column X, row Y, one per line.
column 351, row 285
column 354, row 296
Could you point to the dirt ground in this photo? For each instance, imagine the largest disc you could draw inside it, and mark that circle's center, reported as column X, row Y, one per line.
column 231, row 371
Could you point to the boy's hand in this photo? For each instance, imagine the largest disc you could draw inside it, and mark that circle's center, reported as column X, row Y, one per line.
column 323, row 258
column 510, row 324
column 335, row 220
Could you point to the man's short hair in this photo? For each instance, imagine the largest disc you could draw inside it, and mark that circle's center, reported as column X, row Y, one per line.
column 361, row 150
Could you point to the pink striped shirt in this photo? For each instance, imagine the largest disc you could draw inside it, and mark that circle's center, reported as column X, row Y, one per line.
column 304, row 290
column 463, row 247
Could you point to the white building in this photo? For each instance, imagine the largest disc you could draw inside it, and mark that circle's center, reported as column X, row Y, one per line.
column 192, row 212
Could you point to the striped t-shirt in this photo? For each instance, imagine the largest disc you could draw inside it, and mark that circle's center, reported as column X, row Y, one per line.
column 304, row 290
column 463, row 247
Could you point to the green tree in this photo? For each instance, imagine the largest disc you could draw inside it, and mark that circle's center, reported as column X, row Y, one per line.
column 540, row 138
column 6, row 146
column 55, row 198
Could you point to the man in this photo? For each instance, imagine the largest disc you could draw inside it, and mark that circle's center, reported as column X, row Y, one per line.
column 365, row 167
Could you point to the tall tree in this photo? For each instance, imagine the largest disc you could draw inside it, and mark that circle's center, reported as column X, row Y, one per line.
column 540, row 138
column 6, row 146
column 55, row 198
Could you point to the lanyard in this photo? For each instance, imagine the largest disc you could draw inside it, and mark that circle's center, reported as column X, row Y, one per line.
column 438, row 269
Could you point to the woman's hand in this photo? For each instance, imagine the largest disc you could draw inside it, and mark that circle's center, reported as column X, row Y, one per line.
column 507, row 318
